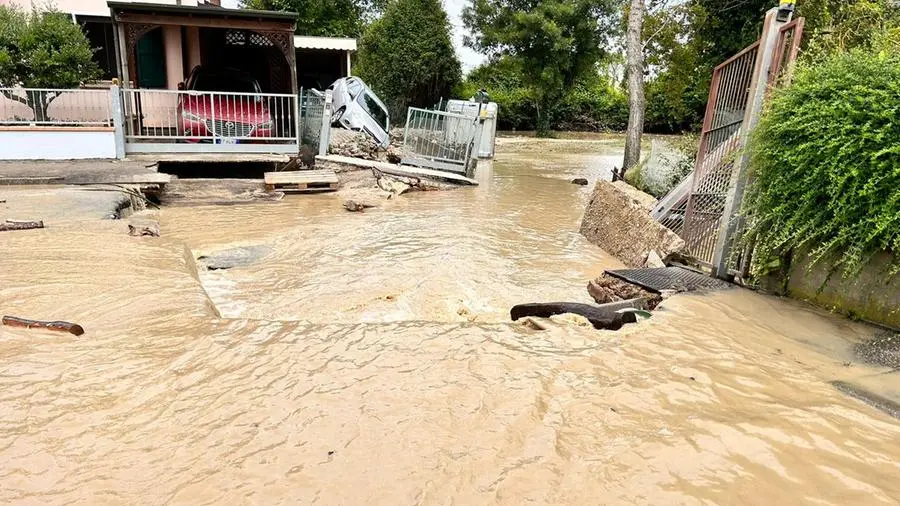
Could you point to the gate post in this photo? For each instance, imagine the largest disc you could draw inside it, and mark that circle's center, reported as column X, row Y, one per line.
column 758, row 86
column 325, row 131
column 118, row 119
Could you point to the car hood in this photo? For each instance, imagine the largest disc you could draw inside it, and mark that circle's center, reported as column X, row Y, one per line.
column 240, row 109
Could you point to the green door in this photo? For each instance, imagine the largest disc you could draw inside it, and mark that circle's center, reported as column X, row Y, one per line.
column 151, row 60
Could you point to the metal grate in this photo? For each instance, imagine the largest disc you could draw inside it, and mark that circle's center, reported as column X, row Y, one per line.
column 677, row 279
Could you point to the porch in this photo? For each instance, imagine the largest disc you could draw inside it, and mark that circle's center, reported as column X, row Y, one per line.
column 203, row 80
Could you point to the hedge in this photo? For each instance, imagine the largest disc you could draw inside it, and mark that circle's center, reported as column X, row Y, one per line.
column 825, row 163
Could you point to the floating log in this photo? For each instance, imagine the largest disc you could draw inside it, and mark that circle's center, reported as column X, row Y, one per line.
column 20, row 225
column 59, row 326
column 600, row 317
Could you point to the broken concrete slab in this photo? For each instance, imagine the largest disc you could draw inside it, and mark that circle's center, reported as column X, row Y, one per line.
column 618, row 220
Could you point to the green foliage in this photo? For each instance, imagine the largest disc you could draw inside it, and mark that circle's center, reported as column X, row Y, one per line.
column 43, row 49
column 826, row 162
column 593, row 104
column 839, row 25
column 688, row 40
column 556, row 41
column 407, row 56
column 323, row 18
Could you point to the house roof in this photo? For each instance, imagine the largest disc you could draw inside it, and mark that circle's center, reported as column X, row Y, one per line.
column 332, row 43
column 201, row 10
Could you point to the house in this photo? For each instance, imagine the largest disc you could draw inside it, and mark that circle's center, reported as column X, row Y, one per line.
column 152, row 49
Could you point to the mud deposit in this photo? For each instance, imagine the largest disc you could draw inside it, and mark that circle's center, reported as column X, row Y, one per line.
column 364, row 358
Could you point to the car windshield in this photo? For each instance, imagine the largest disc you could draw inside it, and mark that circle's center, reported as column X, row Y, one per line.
column 371, row 106
column 227, row 83
column 354, row 87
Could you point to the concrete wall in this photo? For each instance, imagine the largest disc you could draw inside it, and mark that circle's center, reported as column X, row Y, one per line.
column 618, row 220
column 869, row 296
column 57, row 143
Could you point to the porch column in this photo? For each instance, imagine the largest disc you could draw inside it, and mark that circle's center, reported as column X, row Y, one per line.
column 193, row 47
column 347, row 74
column 174, row 65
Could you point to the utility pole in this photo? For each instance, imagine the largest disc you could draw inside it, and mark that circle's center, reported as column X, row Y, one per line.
column 636, row 102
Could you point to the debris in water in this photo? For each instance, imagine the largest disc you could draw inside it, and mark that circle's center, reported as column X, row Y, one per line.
column 600, row 318
column 59, row 326
column 637, row 312
column 580, row 181
column 20, row 225
column 234, row 257
column 150, row 229
column 356, row 207
column 606, row 289
column 533, row 324
column 571, row 319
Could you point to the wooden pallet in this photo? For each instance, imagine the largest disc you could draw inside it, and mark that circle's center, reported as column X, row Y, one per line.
column 302, row 180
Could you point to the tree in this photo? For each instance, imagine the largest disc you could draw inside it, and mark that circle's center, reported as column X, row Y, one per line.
column 42, row 49
column 555, row 40
column 324, row 18
column 635, row 65
column 407, row 56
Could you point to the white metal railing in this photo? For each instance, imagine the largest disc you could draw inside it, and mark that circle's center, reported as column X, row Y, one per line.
column 55, row 107
column 438, row 140
column 172, row 116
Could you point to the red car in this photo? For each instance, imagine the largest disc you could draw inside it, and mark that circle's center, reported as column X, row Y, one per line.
column 226, row 108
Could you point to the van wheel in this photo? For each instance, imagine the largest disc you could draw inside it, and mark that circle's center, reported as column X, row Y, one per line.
column 338, row 114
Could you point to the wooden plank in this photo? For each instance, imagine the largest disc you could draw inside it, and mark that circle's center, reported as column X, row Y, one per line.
column 301, row 176
column 398, row 170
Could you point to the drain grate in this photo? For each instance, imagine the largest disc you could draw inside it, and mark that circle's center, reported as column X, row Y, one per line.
column 678, row 279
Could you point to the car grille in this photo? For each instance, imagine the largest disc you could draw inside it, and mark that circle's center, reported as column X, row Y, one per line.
column 224, row 128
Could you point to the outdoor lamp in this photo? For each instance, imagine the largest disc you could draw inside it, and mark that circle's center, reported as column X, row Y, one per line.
column 785, row 10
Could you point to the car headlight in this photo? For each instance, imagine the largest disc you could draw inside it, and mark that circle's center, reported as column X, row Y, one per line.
column 265, row 125
column 190, row 116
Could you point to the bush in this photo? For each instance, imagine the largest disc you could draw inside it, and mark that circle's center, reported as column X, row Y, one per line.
column 592, row 105
column 407, row 56
column 826, row 163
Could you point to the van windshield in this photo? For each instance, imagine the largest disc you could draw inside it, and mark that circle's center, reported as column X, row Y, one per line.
column 371, row 106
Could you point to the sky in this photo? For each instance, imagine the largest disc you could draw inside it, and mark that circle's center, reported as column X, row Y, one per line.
column 469, row 58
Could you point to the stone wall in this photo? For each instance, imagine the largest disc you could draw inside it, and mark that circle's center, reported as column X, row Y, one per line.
column 618, row 220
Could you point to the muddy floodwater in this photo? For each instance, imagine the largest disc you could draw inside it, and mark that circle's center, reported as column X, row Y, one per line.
column 367, row 359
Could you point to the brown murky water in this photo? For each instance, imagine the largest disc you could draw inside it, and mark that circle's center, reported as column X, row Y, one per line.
column 397, row 383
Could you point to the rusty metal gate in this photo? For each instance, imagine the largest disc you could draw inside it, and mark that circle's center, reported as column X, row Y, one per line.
column 706, row 215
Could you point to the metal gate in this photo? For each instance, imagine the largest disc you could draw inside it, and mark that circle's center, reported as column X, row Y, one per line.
column 706, row 215
column 720, row 140
column 439, row 140
column 184, row 121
